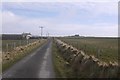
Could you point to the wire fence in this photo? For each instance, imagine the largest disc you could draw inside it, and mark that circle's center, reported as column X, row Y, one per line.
column 9, row 45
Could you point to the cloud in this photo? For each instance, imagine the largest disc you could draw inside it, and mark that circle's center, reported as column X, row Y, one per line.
column 101, row 7
column 60, row 0
column 84, row 18
column 0, row 22
column 78, row 12
column 13, row 23
column 92, row 7
column 88, row 30
column 16, row 24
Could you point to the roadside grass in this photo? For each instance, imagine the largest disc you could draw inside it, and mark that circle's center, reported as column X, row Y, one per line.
column 62, row 70
column 21, row 55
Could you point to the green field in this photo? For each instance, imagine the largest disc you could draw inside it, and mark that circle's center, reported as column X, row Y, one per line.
column 9, row 45
column 106, row 49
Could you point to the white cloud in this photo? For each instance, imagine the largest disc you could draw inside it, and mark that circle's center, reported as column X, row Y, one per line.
column 17, row 24
column 0, row 18
column 89, row 30
column 60, row 0
column 0, row 22
column 70, row 10
column 98, row 8
column 13, row 23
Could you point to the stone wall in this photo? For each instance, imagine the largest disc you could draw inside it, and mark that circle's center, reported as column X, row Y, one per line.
column 87, row 66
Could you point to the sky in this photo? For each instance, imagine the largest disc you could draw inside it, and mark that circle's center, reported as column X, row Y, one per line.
column 88, row 18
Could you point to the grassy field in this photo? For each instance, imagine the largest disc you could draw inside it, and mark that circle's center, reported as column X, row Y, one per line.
column 106, row 49
column 9, row 45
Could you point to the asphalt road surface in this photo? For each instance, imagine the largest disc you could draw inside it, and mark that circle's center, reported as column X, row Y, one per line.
column 36, row 65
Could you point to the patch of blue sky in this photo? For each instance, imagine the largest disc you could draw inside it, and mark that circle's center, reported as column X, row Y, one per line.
column 105, row 18
column 32, row 13
column 85, row 18
column 87, row 21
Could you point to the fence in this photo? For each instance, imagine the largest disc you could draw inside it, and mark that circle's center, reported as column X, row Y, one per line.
column 9, row 45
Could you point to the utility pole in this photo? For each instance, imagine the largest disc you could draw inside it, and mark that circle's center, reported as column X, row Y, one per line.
column 41, row 31
column 47, row 34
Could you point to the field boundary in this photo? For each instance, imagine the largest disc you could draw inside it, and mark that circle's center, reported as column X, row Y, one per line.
column 87, row 66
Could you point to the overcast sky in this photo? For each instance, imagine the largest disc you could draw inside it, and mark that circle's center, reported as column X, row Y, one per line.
column 61, row 18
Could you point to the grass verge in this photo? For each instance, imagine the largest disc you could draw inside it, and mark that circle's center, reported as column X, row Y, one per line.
column 62, row 69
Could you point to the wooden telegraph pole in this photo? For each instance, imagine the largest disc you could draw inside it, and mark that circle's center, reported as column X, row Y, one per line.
column 41, row 30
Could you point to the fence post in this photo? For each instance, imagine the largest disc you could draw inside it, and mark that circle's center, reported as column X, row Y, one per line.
column 7, row 47
column 14, row 45
column 20, row 42
column 98, row 53
column 27, row 42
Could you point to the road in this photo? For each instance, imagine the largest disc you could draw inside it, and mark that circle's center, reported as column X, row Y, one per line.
column 36, row 65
